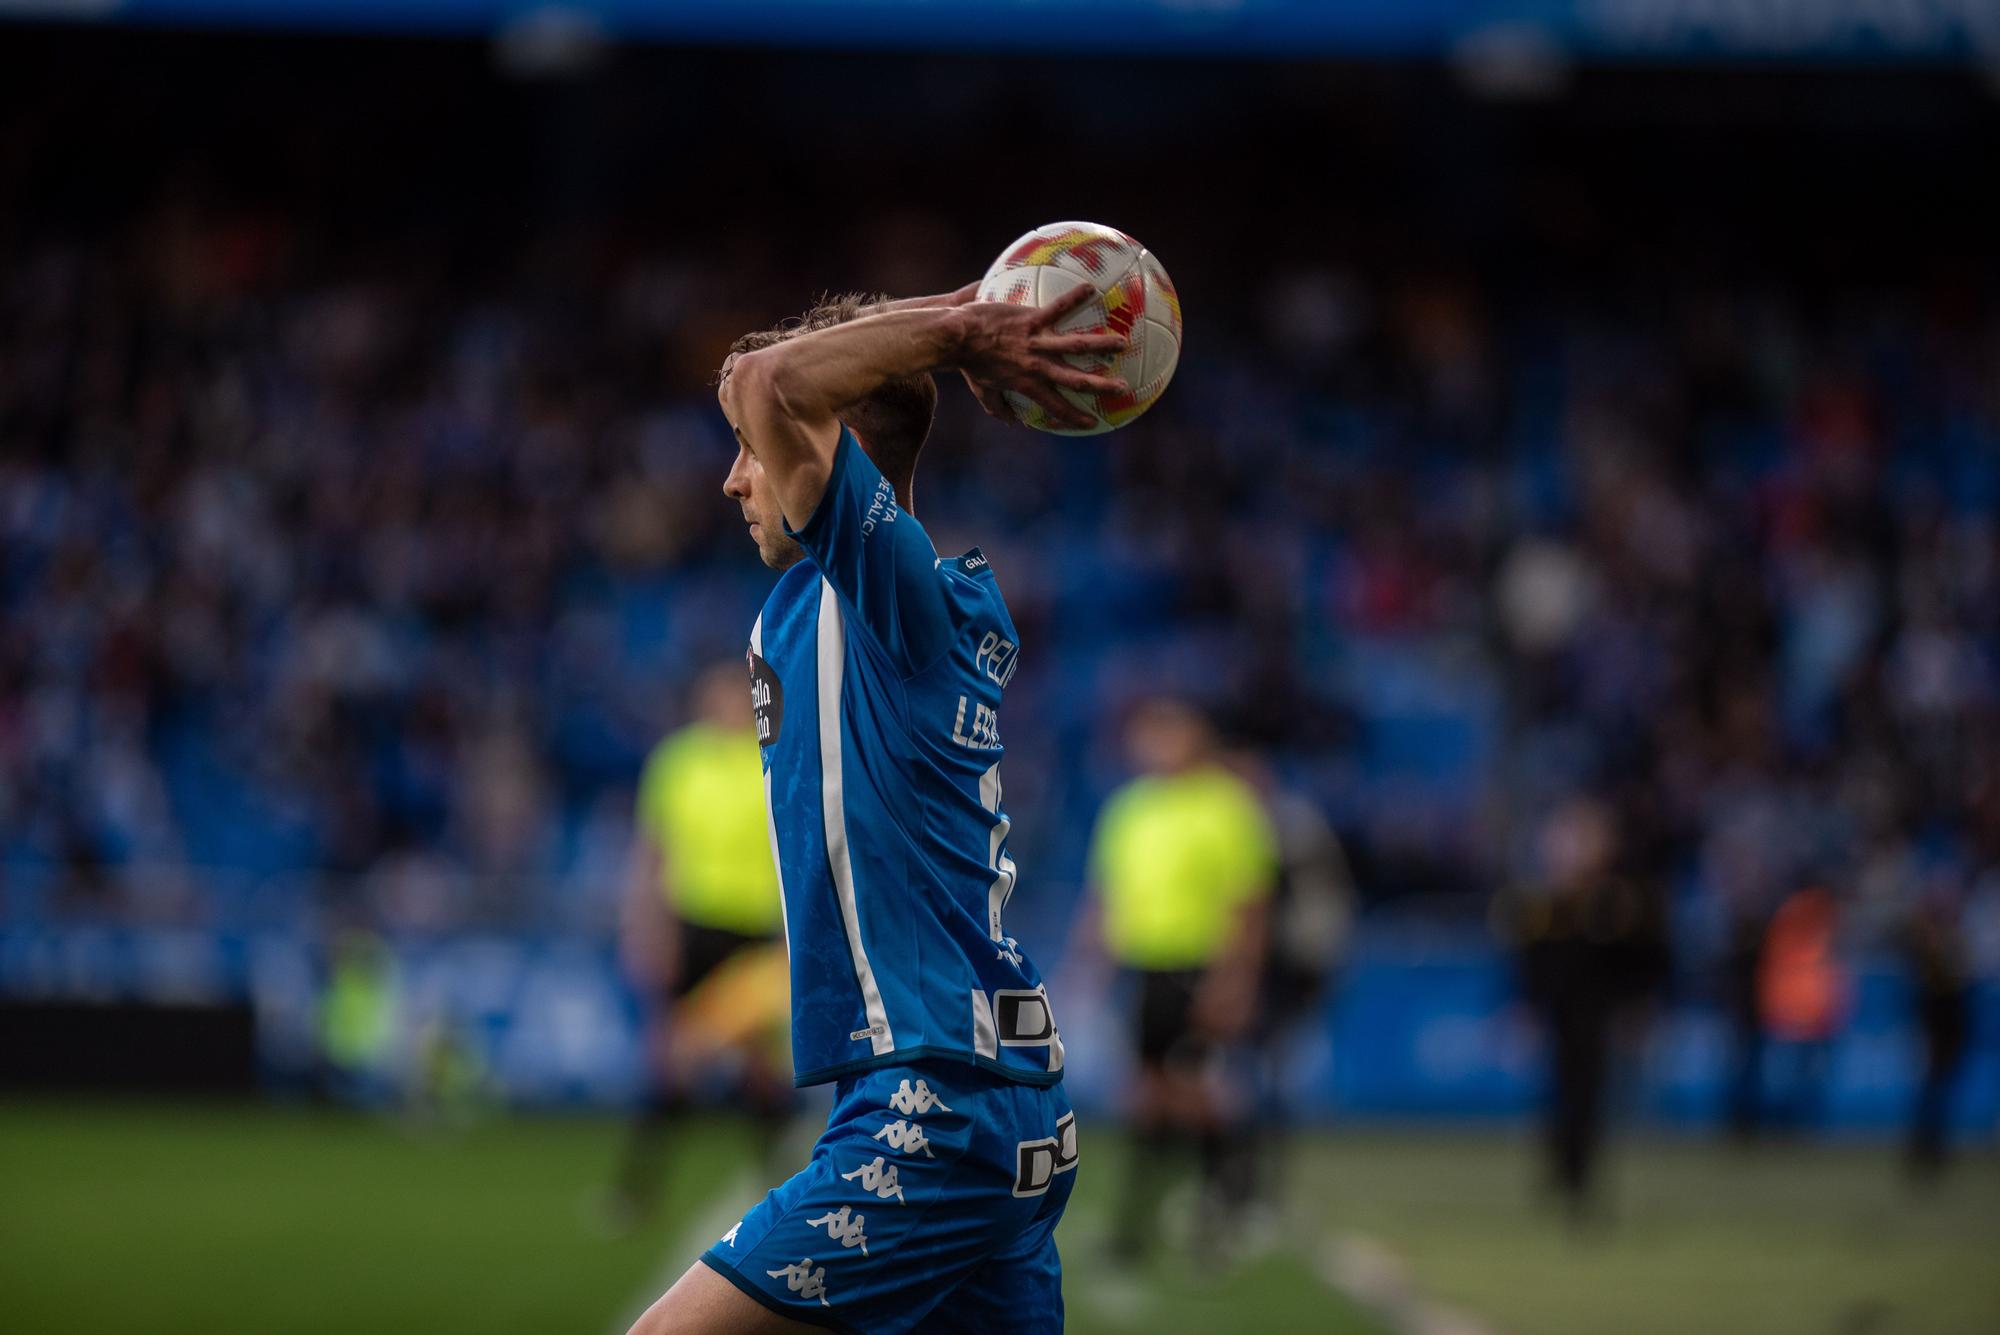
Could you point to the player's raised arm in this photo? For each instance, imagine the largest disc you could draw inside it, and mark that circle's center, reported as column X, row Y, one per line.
column 784, row 400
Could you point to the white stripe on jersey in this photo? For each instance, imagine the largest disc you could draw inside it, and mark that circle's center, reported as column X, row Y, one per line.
column 984, row 1041
column 832, row 664
column 770, row 823
column 1002, row 888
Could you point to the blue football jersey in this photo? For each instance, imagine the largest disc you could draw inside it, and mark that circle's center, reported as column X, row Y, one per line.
column 877, row 669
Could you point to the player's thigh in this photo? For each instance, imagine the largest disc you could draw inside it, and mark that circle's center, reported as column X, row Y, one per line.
column 1016, row 1291
column 702, row 1302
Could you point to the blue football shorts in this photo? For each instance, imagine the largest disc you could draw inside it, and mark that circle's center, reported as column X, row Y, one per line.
column 930, row 1204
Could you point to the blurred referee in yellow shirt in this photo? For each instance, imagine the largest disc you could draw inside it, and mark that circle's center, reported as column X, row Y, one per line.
column 1182, row 865
column 701, row 915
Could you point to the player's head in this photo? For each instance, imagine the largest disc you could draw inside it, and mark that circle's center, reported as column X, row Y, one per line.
column 1164, row 735
column 892, row 425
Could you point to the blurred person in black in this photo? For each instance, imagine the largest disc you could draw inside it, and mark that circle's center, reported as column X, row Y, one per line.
column 1591, row 944
column 701, row 893
column 1182, row 864
column 1310, row 917
column 1941, row 974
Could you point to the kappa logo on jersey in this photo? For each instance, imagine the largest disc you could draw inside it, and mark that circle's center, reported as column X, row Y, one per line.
column 907, row 1137
column 879, row 1177
column 730, row 1236
column 917, row 1101
column 844, row 1227
column 805, row 1279
column 767, row 699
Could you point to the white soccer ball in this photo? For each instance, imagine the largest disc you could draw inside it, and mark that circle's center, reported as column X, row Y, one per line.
column 1134, row 297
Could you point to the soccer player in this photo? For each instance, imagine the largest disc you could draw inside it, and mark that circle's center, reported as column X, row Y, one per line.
column 877, row 669
column 701, row 893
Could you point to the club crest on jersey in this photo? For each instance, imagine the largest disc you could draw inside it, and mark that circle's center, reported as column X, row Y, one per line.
column 767, row 698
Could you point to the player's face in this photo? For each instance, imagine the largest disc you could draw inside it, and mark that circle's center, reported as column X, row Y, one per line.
column 750, row 488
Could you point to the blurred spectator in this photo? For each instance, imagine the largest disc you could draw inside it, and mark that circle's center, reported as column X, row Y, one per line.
column 1310, row 920
column 1803, row 994
column 1182, row 863
column 701, row 895
column 1943, row 995
column 1591, row 946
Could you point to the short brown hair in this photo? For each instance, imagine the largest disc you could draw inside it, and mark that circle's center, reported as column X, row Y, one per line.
column 895, row 420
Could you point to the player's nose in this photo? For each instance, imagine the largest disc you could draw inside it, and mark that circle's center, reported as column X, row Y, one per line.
column 736, row 485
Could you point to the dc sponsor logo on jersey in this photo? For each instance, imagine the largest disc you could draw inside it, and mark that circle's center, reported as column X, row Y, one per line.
column 1038, row 1161
column 805, row 1279
column 907, row 1137
column 879, row 1177
column 767, row 699
column 844, row 1227
column 915, row 1101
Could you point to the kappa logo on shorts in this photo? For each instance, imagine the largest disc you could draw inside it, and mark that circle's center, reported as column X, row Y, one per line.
column 1040, row 1160
column 844, row 1227
column 918, row 1101
column 730, row 1236
column 805, row 1279
column 907, row 1137
column 878, row 1177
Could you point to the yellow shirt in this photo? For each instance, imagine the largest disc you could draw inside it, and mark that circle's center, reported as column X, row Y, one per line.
column 1174, row 858
column 701, row 800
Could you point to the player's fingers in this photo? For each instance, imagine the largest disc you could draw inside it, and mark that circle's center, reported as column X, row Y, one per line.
column 1062, row 343
column 1071, row 378
column 1059, row 408
column 1066, row 303
column 992, row 400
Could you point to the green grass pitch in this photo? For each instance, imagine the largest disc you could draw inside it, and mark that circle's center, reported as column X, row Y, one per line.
column 176, row 1218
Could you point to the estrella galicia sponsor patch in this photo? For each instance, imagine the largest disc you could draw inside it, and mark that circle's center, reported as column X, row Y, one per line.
column 767, row 698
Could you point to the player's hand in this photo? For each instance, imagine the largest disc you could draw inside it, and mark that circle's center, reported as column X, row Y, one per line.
column 1008, row 347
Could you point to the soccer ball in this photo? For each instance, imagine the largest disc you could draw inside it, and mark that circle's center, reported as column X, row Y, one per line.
column 1135, row 298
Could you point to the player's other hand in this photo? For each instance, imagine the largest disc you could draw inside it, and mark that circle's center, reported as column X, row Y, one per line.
column 1007, row 347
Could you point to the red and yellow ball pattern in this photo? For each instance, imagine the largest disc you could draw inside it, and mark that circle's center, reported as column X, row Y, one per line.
column 1135, row 298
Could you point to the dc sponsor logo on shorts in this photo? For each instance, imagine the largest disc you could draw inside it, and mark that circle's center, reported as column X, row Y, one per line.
column 907, row 1137
column 805, row 1279
column 1040, row 1160
column 917, row 1101
column 844, row 1227
column 878, row 1177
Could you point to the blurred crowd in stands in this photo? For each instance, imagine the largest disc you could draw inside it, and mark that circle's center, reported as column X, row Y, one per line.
column 329, row 569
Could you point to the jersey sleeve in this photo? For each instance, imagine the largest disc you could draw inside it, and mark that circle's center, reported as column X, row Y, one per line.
column 878, row 559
